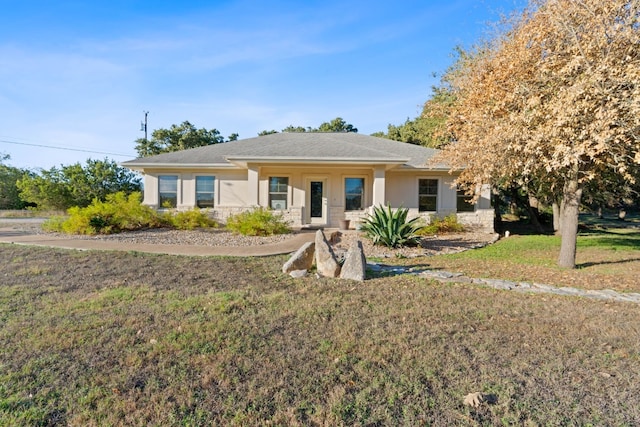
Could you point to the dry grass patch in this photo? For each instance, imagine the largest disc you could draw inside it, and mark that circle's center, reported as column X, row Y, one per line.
column 122, row 338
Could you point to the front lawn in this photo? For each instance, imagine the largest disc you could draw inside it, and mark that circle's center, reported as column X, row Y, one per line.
column 100, row 338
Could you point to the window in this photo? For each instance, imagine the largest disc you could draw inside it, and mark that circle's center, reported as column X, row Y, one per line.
column 168, row 191
column 205, row 190
column 278, row 190
column 428, row 195
column 353, row 194
column 462, row 202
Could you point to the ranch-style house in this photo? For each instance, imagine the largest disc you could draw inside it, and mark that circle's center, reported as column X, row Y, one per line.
column 313, row 179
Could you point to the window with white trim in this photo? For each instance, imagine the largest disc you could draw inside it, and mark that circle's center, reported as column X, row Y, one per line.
column 205, row 191
column 427, row 195
column 353, row 194
column 168, row 191
column 462, row 202
column 278, row 191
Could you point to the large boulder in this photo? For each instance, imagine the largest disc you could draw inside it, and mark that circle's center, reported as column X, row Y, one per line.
column 302, row 259
column 326, row 263
column 355, row 263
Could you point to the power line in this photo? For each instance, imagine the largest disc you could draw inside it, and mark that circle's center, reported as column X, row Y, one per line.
column 64, row 148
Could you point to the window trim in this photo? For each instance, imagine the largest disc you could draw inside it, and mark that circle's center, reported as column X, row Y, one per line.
column 363, row 195
column 214, row 192
column 437, row 195
column 287, row 193
column 177, row 184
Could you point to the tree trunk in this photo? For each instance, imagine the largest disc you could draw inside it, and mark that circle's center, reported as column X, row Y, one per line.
column 571, row 195
column 556, row 217
column 497, row 209
column 533, row 217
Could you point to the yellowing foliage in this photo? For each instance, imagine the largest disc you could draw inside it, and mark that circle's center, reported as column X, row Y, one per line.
column 556, row 99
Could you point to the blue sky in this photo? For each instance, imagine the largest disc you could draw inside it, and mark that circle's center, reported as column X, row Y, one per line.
column 79, row 74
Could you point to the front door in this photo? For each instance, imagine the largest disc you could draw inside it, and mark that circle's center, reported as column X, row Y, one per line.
column 317, row 201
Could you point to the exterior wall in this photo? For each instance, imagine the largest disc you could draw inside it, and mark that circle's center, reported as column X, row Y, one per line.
column 402, row 190
column 230, row 188
column 398, row 188
column 299, row 178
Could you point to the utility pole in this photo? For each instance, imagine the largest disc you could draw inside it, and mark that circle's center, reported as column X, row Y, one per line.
column 143, row 125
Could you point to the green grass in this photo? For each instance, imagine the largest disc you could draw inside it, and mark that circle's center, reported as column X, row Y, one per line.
column 542, row 249
column 518, row 249
column 606, row 259
column 99, row 338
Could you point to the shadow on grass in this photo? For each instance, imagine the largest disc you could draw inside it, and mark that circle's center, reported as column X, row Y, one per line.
column 592, row 264
column 613, row 242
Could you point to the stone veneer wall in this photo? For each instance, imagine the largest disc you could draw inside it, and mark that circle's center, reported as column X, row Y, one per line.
column 293, row 215
column 481, row 218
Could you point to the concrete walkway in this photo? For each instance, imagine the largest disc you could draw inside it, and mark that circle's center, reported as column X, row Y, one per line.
column 11, row 235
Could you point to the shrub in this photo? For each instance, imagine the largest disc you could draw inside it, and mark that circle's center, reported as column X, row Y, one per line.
column 118, row 213
column 448, row 224
column 389, row 228
column 189, row 220
column 54, row 223
column 258, row 222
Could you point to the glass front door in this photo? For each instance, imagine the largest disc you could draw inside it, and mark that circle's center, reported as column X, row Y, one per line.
column 317, row 192
column 316, row 201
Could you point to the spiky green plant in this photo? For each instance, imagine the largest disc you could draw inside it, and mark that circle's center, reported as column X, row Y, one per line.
column 390, row 228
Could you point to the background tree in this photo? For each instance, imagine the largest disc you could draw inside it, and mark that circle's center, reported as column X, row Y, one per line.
column 75, row 185
column 556, row 101
column 179, row 137
column 297, row 129
column 429, row 129
column 9, row 194
column 336, row 125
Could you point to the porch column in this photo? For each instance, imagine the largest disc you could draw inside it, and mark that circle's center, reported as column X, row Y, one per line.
column 252, row 181
column 379, row 196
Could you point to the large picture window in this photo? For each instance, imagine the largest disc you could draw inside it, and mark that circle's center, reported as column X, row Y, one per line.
column 168, row 191
column 205, row 191
column 428, row 195
column 278, row 190
column 462, row 202
column 354, row 194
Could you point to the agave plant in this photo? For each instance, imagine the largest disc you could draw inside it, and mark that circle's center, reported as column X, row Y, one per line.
column 391, row 228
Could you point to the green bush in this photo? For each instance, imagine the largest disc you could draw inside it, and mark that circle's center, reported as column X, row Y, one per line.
column 258, row 222
column 448, row 224
column 189, row 220
column 119, row 212
column 389, row 228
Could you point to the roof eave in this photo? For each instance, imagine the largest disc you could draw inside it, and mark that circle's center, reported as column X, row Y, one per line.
column 141, row 166
column 245, row 160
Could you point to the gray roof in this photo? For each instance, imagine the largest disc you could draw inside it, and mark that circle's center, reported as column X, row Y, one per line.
column 311, row 147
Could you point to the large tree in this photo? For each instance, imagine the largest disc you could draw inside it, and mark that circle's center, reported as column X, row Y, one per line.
column 179, row 137
column 77, row 185
column 556, row 101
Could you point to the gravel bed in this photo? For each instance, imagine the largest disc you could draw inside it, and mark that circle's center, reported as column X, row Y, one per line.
column 164, row 236
column 428, row 246
column 340, row 240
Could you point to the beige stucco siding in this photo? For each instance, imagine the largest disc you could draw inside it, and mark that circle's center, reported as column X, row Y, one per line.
column 402, row 190
column 240, row 189
column 300, row 176
column 230, row 187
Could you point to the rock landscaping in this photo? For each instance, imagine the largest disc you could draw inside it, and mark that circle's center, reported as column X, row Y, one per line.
column 327, row 264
